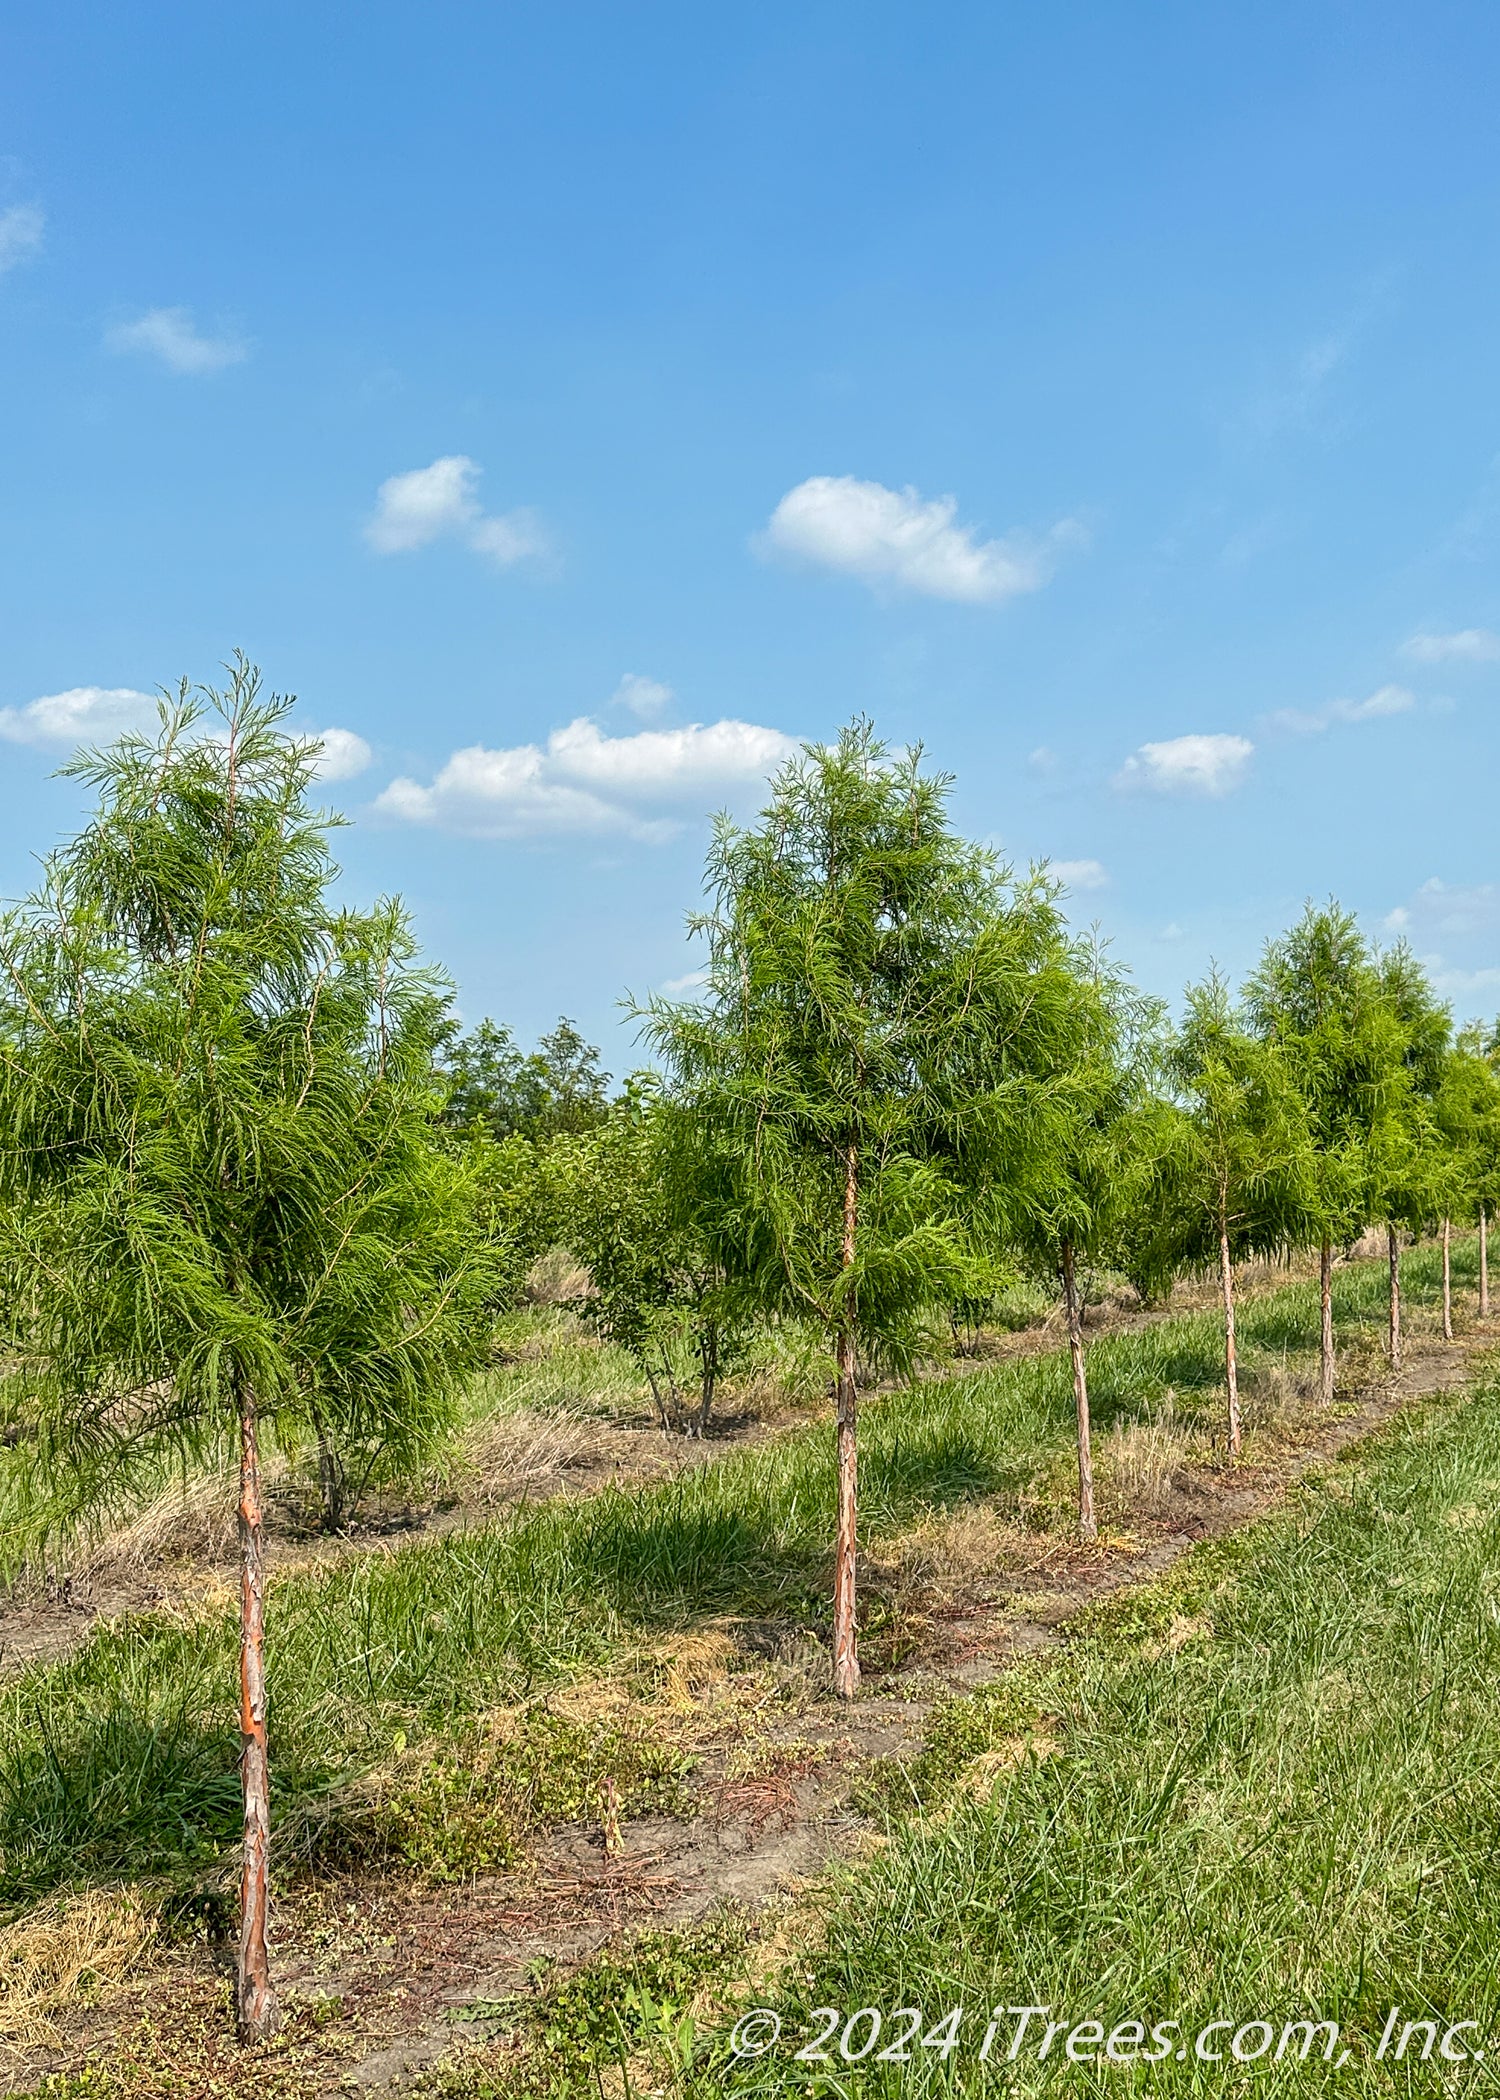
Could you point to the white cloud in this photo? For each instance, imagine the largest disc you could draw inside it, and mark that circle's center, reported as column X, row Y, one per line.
column 1188, row 765
column 85, row 714
column 1080, row 874
column 694, row 981
column 342, row 754
column 1470, row 645
column 1453, row 910
column 896, row 536
column 439, row 502
column 1387, row 700
column 582, row 781
column 21, row 230
column 646, row 698
column 169, row 334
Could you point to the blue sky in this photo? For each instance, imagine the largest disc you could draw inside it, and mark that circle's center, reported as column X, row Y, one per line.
column 572, row 404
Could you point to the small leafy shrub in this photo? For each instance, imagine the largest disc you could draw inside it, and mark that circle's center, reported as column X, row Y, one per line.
column 636, row 2001
column 960, row 1733
column 466, row 1805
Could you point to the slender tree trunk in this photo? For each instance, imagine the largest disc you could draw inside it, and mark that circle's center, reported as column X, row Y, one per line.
column 1325, row 1339
column 1231, row 1361
column 255, row 2000
column 1088, row 1523
column 1484, row 1262
column 1447, row 1280
column 845, row 1641
column 656, row 1394
column 1393, row 1342
column 331, row 1483
column 708, row 1356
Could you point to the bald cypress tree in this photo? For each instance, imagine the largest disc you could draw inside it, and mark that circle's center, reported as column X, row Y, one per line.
column 1317, row 998
column 227, row 1217
column 875, row 1062
column 1244, row 1166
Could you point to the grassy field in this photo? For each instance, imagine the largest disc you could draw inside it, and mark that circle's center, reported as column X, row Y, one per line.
column 121, row 1760
column 1262, row 1789
column 1163, row 1815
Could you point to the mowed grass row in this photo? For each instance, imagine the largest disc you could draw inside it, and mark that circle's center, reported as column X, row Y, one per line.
column 120, row 1761
column 1265, row 1788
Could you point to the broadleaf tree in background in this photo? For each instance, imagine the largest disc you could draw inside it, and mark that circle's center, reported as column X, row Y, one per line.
column 226, row 1213
column 633, row 1204
column 1243, row 1170
column 871, row 1057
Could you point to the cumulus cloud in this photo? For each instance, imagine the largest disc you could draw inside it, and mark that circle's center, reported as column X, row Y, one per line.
column 1388, row 700
column 439, row 502
column 169, row 335
column 646, row 698
column 21, row 230
column 342, row 755
column 1470, row 645
column 897, row 537
column 85, row 714
column 584, row 781
column 1080, row 874
column 1188, row 765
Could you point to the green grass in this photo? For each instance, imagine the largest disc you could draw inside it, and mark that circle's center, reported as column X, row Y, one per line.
column 1268, row 1787
column 120, row 1761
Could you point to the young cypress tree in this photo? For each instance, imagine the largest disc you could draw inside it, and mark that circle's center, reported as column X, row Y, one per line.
column 1318, row 999
column 1100, row 1039
column 1245, row 1168
column 226, row 1212
column 875, row 1059
column 1410, row 1166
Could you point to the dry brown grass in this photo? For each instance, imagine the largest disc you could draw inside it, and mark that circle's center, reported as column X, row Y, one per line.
column 555, row 1277
column 192, row 1519
column 1143, row 1461
column 513, row 1452
column 62, row 1952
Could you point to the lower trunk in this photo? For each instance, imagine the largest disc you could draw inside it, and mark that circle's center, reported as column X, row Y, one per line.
column 845, row 1646
column 1484, row 1263
column 1325, row 1337
column 1231, row 1364
column 255, row 2000
column 708, row 1357
column 1447, row 1280
column 1088, row 1523
column 1393, row 1342
column 845, row 1638
column 656, row 1393
column 332, row 1485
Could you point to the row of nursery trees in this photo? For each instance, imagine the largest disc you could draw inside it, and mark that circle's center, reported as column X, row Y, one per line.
column 255, row 1189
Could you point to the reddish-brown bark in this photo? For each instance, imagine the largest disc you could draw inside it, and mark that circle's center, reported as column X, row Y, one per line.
column 845, row 1638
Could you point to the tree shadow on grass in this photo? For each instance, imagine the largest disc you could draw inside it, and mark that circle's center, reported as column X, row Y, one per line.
column 100, row 1797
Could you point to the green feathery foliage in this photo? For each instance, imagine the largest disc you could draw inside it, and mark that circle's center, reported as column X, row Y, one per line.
column 219, row 1163
column 876, row 985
